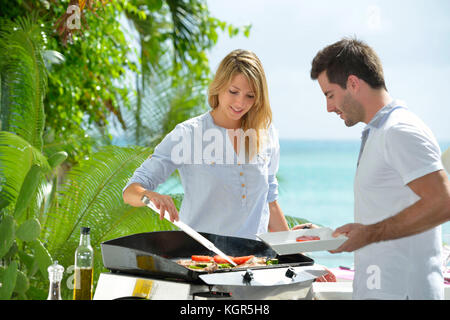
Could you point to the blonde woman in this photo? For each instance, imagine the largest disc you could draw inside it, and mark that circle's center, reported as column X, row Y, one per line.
column 227, row 158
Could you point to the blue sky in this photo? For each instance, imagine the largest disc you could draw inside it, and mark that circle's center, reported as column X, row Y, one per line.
column 412, row 39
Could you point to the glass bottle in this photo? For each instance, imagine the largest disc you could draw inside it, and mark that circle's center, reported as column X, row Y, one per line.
column 55, row 274
column 84, row 267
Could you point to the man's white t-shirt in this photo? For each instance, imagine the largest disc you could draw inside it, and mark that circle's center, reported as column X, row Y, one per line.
column 399, row 149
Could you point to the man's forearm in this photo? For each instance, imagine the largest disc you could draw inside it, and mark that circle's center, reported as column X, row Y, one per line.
column 417, row 218
column 432, row 209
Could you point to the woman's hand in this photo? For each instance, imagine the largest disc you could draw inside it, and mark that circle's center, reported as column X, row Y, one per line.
column 133, row 196
column 164, row 204
column 305, row 226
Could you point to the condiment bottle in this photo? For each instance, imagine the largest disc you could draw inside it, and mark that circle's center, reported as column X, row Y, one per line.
column 55, row 274
column 84, row 267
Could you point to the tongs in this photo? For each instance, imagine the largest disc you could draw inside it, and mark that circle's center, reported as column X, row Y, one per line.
column 191, row 232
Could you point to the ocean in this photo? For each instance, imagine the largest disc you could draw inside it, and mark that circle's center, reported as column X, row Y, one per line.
column 316, row 183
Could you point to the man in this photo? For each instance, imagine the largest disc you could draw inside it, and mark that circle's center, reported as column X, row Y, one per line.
column 401, row 191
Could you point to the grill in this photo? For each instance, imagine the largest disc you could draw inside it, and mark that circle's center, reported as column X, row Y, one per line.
column 153, row 256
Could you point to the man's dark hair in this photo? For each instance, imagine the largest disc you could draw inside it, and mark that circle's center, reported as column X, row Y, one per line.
column 349, row 57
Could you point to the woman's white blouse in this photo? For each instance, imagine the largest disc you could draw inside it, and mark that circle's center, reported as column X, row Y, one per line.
column 223, row 194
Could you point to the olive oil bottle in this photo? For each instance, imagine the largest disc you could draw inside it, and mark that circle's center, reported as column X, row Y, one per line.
column 84, row 267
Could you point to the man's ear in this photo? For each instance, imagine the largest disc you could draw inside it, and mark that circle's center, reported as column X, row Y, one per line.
column 353, row 83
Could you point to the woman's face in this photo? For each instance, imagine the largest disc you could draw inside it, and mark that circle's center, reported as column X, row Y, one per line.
column 236, row 99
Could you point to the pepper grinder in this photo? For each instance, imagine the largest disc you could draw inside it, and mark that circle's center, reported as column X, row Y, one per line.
column 55, row 274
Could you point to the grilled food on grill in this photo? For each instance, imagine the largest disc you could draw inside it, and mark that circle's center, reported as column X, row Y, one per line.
column 211, row 264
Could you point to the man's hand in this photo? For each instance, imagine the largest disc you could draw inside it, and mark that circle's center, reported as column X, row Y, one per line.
column 358, row 236
column 432, row 209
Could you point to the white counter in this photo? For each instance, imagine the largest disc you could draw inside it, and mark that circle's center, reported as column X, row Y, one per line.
column 343, row 290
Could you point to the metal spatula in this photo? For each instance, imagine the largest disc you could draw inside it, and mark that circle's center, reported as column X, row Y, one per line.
column 194, row 234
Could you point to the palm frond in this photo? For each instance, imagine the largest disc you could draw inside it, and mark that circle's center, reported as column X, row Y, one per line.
column 24, row 79
column 186, row 22
column 158, row 107
column 159, row 103
column 91, row 196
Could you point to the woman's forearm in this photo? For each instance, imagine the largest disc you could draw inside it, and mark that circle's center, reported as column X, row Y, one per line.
column 133, row 195
column 277, row 221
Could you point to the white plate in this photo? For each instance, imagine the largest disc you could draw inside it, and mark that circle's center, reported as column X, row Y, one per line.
column 284, row 242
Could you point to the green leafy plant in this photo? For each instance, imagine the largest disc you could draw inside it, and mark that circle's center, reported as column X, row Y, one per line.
column 91, row 196
column 39, row 214
column 42, row 221
column 22, row 165
column 23, row 205
column 44, row 202
column 111, row 61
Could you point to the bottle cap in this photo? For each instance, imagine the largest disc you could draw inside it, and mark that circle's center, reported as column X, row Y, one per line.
column 85, row 230
column 55, row 271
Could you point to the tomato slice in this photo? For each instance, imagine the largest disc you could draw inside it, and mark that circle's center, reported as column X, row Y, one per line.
column 237, row 260
column 307, row 238
column 241, row 260
column 218, row 259
column 202, row 258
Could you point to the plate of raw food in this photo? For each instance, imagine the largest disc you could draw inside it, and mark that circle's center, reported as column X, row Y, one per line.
column 302, row 240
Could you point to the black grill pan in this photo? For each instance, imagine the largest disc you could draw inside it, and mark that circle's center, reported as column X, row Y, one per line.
column 154, row 254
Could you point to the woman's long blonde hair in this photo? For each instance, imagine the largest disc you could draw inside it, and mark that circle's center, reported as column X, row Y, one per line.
column 245, row 62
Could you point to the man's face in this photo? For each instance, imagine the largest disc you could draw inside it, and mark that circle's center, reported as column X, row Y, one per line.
column 341, row 101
